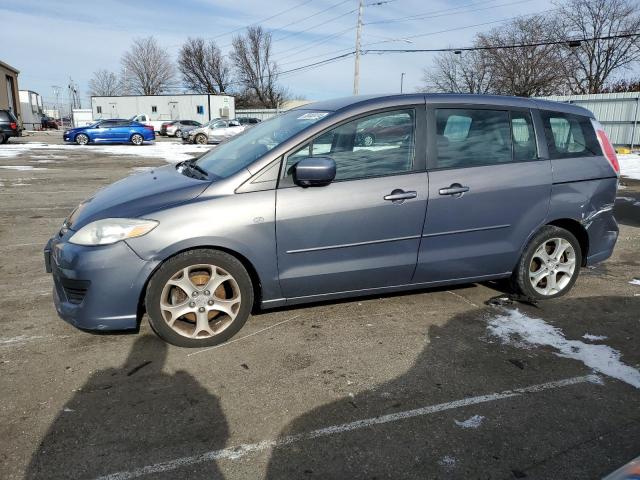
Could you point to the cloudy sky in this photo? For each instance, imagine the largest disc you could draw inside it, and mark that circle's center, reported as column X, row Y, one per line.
column 53, row 40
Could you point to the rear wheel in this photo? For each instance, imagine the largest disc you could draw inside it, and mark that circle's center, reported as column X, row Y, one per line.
column 137, row 139
column 3, row 139
column 200, row 139
column 549, row 265
column 199, row 298
column 82, row 139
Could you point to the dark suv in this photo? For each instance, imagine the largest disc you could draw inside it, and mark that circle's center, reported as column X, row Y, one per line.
column 9, row 126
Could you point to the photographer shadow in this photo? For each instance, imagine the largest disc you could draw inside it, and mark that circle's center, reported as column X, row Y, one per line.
column 123, row 419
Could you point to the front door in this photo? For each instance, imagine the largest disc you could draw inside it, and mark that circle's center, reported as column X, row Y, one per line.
column 488, row 191
column 362, row 231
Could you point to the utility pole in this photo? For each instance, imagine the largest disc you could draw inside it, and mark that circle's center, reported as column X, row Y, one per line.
column 56, row 92
column 356, row 72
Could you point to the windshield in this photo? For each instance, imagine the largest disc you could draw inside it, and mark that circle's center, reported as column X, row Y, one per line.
column 231, row 157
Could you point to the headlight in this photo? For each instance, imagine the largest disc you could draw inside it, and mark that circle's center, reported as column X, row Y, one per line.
column 112, row 230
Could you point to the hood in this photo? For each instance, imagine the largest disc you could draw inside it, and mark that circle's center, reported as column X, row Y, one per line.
column 137, row 195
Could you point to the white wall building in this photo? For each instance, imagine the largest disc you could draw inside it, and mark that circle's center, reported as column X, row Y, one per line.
column 201, row 108
column 31, row 108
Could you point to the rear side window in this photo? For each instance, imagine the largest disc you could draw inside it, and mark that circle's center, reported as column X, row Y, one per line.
column 569, row 135
column 377, row 145
column 468, row 138
column 6, row 116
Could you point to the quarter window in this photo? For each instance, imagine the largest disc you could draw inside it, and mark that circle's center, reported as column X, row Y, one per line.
column 569, row 135
column 377, row 145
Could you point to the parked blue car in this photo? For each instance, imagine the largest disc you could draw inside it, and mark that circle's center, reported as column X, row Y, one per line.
column 111, row 131
column 297, row 209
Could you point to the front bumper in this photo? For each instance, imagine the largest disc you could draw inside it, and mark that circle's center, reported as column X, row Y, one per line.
column 97, row 288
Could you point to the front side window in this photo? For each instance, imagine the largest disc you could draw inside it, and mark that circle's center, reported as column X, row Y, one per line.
column 569, row 135
column 154, row 109
column 373, row 146
column 469, row 138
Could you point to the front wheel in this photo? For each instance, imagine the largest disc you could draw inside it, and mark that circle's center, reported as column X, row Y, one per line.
column 200, row 139
column 199, row 298
column 82, row 139
column 178, row 134
column 549, row 265
column 137, row 139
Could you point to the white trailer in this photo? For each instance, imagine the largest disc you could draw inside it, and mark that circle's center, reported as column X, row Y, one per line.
column 157, row 109
column 31, row 107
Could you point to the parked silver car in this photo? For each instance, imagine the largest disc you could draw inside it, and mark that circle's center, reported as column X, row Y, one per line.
column 215, row 131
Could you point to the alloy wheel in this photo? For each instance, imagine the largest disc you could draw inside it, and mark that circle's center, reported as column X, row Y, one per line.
column 200, row 301
column 82, row 139
column 137, row 139
column 552, row 266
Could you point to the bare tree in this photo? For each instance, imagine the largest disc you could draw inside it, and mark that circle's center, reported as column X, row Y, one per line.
column 464, row 72
column 257, row 72
column 524, row 71
column 104, row 84
column 204, row 69
column 593, row 62
column 147, row 67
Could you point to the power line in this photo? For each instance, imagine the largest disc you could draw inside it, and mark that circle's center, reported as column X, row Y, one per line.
column 299, row 49
column 298, row 32
column 298, row 5
column 441, row 13
column 335, row 5
column 570, row 42
column 465, row 27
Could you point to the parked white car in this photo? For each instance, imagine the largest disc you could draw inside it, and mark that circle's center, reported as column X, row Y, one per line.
column 215, row 131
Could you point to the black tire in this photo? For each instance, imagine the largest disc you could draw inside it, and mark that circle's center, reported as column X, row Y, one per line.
column 82, row 139
column 3, row 139
column 198, row 257
column 178, row 134
column 521, row 275
column 200, row 139
column 137, row 139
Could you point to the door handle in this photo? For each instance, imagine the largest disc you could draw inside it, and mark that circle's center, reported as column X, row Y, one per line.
column 399, row 195
column 454, row 189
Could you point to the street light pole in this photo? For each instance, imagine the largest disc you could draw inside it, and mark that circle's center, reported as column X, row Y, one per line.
column 356, row 71
column 401, row 80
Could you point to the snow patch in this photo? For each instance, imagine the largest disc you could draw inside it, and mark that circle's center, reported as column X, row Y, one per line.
column 594, row 338
column 630, row 165
column 22, row 167
column 516, row 328
column 635, row 281
column 168, row 151
column 473, row 422
column 447, row 461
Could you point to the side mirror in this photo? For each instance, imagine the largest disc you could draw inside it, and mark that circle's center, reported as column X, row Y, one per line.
column 314, row 171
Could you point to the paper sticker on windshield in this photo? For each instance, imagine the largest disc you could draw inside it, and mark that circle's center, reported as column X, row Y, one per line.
column 313, row 116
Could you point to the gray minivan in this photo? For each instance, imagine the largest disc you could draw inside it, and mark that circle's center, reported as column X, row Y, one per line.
column 447, row 189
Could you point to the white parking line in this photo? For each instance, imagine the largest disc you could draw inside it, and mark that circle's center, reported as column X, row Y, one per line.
column 233, row 453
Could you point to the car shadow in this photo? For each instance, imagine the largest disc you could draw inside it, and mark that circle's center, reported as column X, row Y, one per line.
column 580, row 431
column 128, row 417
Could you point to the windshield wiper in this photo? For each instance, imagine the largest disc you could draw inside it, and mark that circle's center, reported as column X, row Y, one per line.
column 192, row 169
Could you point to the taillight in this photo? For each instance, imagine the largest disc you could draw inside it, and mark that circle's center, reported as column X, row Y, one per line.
column 149, row 127
column 606, row 146
column 13, row 126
